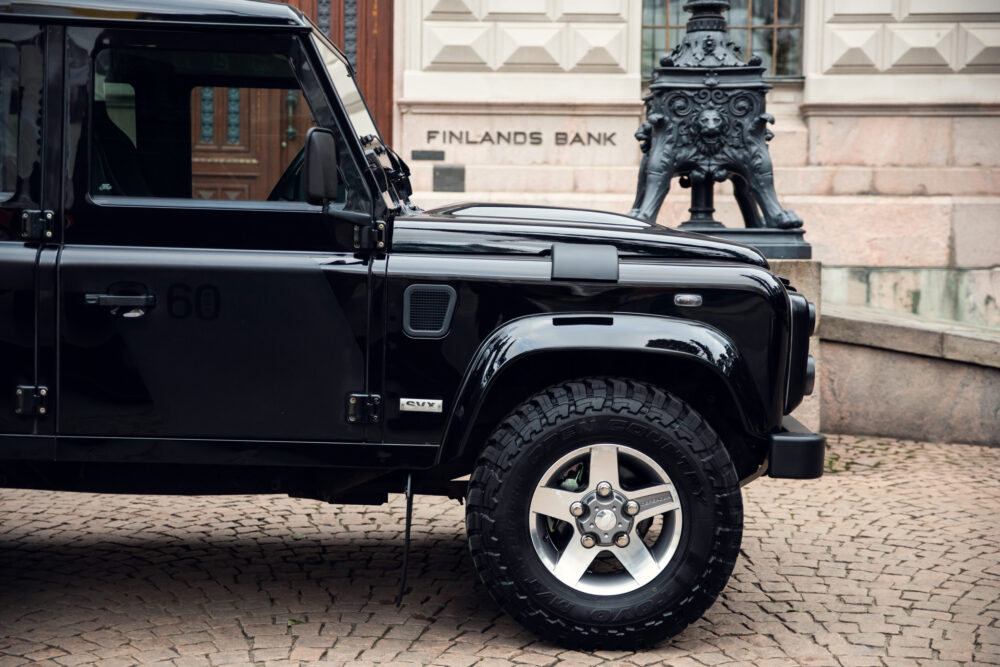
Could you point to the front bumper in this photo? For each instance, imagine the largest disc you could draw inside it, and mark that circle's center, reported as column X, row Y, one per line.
column 796, row 452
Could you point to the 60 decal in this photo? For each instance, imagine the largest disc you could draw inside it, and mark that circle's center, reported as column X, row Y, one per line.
column 202, row 301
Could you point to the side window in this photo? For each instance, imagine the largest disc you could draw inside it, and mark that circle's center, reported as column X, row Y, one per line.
column 196, row 125
column 244, row 140
column 9, row 111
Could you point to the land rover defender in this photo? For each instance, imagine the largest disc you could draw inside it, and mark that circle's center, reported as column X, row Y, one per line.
column 213, row 280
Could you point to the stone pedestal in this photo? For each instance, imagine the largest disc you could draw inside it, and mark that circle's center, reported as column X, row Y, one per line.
column 774, row 243
column 804, row 274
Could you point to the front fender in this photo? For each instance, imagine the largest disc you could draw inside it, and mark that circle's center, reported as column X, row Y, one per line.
column 660, row 337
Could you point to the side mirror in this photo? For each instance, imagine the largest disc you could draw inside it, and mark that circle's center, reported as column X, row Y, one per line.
column 319, row 172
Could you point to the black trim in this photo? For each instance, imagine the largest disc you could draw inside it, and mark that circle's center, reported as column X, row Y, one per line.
column 440, row 332
column 15, row 447
column 243, row 452
column 578, row 261
column 803, row 320
column 810, row 381
column 796, row 452
column 188, row 14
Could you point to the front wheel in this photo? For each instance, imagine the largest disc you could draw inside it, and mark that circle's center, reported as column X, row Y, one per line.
column 604, row 513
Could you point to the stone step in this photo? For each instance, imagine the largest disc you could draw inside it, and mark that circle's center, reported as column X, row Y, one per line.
column 844, row 230
column 908, row 377
column 617, row 202
column 801, row 180
column 901, row 332
column 967, row 295
column 912, row 181
column 535, row 178
column 790, row 145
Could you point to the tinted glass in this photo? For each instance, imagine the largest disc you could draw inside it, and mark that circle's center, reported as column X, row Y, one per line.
column 347, row 89
column 9, row 112
column 763, row 46
column 787, row 60
column 763, row 12
column 186, row 124
column 737, row 14
column 789, row 11
column 662, row 29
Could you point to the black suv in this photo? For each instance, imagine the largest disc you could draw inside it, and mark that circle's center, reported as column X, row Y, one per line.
column 212, row 280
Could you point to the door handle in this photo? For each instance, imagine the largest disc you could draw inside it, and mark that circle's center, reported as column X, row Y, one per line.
column 121, row 300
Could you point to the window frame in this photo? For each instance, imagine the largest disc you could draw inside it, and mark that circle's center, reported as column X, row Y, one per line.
column 28, row 41
column 323, row 107
column 12, row 157
column 319, row 42
column 748, row 29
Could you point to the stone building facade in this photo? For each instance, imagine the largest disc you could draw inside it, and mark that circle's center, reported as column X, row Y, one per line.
column 887, row 143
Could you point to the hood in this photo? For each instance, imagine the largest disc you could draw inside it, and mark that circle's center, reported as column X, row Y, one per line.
column 511, row 229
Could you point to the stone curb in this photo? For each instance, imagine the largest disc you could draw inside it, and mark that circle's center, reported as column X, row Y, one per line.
column 888, row 330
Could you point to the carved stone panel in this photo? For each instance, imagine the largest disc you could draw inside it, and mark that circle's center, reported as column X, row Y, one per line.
column 852, row 48
column 926, row 47
column 517, row 10
column 937, row 10
column 909, row 36
column 534, row 47
column 981, row 47
column 457, row 47
column 859, row 10
column 610, row 11
column 451, row 10
column 598, row 48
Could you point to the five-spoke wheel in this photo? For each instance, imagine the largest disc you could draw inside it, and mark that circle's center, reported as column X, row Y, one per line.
column 605, row 513
column 591, row 517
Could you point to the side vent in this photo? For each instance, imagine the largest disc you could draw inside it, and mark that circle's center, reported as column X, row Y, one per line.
column 427, row 310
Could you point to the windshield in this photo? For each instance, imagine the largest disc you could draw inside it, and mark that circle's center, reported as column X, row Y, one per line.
column 347, row 88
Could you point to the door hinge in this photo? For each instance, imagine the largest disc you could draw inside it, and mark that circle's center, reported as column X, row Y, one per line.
column 370, row 237
column 30, row 401
column 37, row 225
column 364, row 408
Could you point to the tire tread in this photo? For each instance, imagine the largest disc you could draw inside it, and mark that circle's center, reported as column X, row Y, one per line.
column 547, row 409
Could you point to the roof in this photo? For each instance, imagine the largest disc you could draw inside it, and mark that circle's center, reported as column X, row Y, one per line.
column 239, row 12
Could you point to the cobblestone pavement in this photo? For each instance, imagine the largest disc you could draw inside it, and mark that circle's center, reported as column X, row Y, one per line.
column 894, row 558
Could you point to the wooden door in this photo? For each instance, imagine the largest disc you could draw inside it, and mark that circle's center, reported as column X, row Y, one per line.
column 374, row 61
column 243, row 139
column 363, row 31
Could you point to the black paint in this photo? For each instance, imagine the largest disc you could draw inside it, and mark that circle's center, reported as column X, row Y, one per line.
column 260, row 319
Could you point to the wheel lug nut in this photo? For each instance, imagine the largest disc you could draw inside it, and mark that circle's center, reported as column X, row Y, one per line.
column 621, row 539
column 604, row 489
column 576, row 509
column 631, row 508
column 588, row 541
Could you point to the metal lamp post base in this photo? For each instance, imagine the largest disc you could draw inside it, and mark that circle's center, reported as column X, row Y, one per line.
column 773, row 243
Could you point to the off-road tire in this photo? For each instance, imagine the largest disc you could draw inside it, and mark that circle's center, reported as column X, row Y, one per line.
column 637, row 415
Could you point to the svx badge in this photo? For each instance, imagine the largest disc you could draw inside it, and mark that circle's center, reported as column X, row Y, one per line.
column 421, row 405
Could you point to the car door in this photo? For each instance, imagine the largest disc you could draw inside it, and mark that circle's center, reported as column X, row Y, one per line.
column 205, row 311
column 27, row 253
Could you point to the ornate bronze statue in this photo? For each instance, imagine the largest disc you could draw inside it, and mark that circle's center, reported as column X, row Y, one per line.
column 705, row 121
